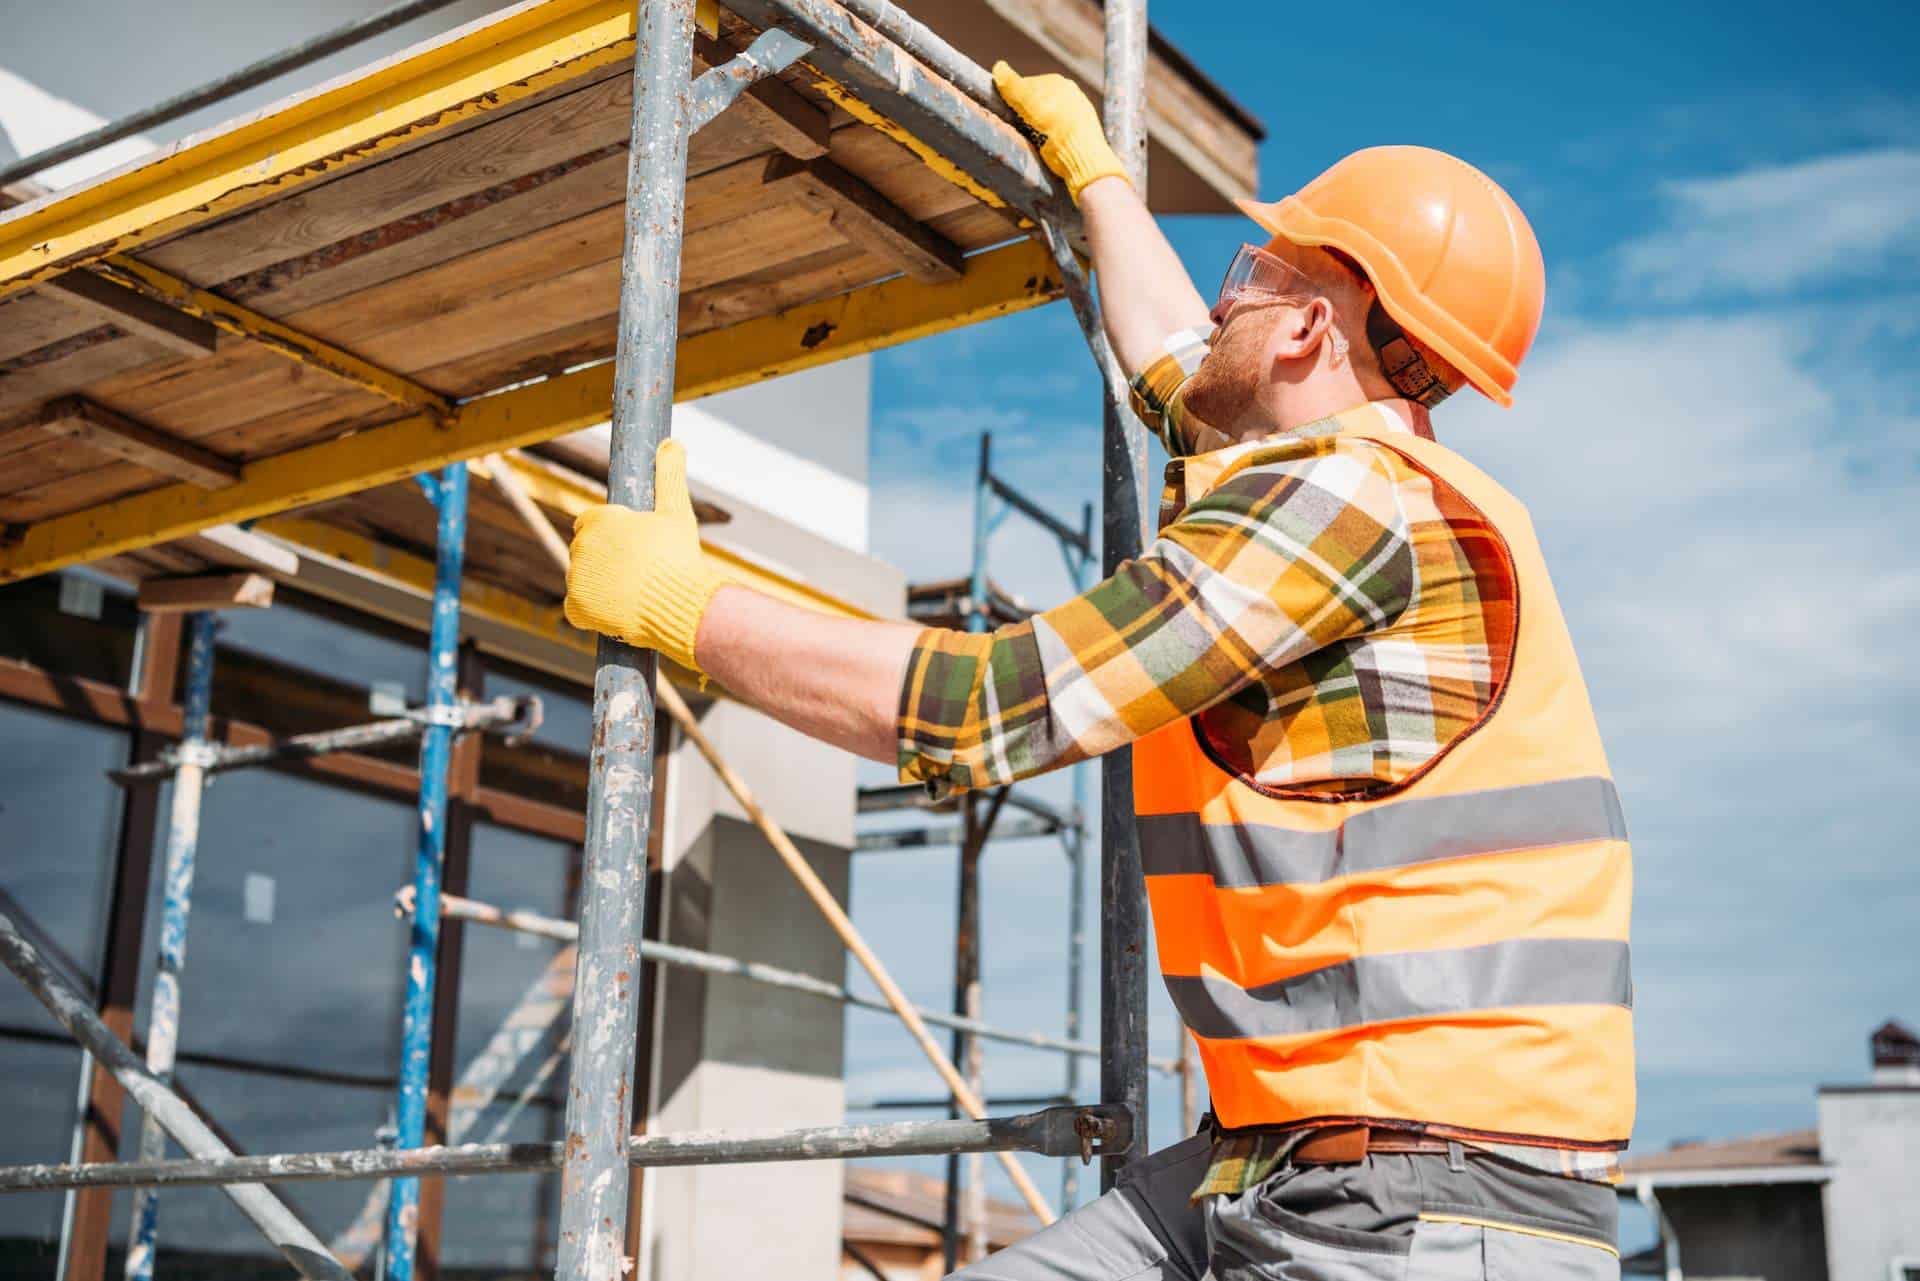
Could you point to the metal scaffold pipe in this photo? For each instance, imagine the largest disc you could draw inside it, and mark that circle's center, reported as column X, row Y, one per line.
column 1058, row 1132
column 423, row 944
column 594, row 1200
column 1124, row 490
column 74, row 1012
column 823, row 899
column 183, row 840
column 454, row 907
column 510, row 716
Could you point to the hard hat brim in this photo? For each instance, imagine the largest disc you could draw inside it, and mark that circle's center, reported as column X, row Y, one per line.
column 1291, row 220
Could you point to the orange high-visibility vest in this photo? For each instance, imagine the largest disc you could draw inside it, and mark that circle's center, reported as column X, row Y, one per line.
column 1450, row 951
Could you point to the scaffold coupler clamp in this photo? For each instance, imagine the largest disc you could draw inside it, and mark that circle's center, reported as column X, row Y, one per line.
column 192, row 752
column 1100, row 1129
column 1104, row 1130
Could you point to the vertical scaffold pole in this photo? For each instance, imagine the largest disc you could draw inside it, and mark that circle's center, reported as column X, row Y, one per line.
column 978, row 588
column 1123, row 940
column 966, row 937
column 436, row 749
column 183, row 841
column 593, row 1206
column 1076, row 844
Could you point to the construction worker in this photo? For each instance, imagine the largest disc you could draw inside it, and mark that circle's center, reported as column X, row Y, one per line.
column 1387, row 865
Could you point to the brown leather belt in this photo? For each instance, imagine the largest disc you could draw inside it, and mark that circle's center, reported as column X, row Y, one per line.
column 1351, row 1144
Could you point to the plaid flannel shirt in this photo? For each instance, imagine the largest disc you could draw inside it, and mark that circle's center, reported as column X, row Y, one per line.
column 1314, row 614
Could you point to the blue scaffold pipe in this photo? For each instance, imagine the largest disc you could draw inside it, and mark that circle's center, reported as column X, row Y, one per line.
column 436, row 745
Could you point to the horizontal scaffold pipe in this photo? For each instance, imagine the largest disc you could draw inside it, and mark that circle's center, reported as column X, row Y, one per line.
column 454, row 907
column 512, row 716
column 1055, row 1132
column 880, row 83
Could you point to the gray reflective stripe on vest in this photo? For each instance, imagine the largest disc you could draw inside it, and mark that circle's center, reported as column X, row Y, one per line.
column 1391, row 834
column 1410, row 985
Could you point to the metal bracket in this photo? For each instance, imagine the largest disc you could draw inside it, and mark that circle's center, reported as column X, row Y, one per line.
column 448, row 715
column 717, row 89
column 204, row 754
column 1102, row 1129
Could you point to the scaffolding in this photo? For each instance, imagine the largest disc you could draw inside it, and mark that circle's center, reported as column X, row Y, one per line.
column 886, row 70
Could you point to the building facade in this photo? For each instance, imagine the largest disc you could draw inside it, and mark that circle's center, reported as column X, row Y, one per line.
column 1839, row 1202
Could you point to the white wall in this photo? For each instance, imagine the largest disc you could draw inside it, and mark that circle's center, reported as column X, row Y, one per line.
column 1870, row 1135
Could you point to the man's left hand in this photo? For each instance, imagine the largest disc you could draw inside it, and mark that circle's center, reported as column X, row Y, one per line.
column 641, row 576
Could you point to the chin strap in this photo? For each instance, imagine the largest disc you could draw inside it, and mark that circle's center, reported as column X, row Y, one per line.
column 1401, row 361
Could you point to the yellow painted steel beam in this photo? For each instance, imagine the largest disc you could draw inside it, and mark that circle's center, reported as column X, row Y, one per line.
column 392, row 104
column 1013, row 278
column 480, row 599
column 282, row 340
column 404, row 569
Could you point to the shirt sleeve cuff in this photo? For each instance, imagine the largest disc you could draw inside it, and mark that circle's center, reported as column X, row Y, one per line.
column 1156, row 388
column 938, row 715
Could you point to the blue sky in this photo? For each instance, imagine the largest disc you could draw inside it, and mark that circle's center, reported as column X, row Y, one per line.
column 1716, row 434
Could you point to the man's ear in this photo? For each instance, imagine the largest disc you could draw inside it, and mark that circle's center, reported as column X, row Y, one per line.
column 1304, row 329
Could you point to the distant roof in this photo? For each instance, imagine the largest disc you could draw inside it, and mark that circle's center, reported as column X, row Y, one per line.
column 1760, row 1158
column 900, row 1207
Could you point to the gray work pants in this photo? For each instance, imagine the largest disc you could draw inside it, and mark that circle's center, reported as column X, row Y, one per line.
column 1392, row 1217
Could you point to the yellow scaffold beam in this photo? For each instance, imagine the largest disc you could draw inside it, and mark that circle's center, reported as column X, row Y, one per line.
column 475, row 69
column 1013, row 278
column 479, row 599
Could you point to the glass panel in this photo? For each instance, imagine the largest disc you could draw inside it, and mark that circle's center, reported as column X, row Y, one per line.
column 505, row 1223
column 294, row 954
column 288, row 636
column 200, row 1233
column 41, row 1082
column 59, row 817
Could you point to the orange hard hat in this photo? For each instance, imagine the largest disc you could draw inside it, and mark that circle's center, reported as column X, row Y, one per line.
column 1451, row 257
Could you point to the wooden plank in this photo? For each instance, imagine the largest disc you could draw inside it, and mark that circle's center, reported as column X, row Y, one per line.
column 81, row 419
column 135, row 313
column 207, row 591
column 33, row 320
column 78, row 367
column 870, row 220
column 369, row 201
column 282, row 340
column 834, row 269
column 556, row 301
column 430, row 176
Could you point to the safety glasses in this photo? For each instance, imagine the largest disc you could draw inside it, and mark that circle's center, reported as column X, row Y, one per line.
column 1256, row 272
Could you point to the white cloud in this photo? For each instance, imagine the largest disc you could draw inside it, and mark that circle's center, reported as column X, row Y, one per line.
column 1727, row 507
column 1767, row 231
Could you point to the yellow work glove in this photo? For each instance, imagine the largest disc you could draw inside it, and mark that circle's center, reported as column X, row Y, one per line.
column 1073, row 144
column 640, row 576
